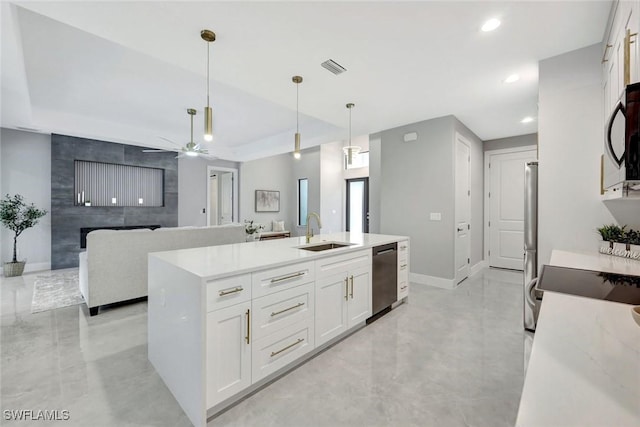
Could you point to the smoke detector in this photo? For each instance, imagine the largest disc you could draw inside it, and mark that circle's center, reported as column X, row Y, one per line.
column 333, row 66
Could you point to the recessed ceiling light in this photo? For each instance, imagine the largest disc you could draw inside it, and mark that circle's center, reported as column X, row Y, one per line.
column 512, row 78
column 527, row 120
column 491, row 25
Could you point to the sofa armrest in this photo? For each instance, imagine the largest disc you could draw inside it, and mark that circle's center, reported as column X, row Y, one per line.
column 83, row 276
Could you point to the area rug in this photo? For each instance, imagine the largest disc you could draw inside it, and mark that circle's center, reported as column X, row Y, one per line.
column 55, row 290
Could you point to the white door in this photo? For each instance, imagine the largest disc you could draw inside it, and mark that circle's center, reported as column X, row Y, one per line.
column 332, row 295
column 228, row 352
column 360, row 304
column 226, row 198
column 506, row 208
column 213, row 200
column 462, row 209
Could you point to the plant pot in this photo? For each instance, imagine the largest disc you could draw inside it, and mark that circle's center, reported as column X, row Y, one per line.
column 13, row 269
column 635, row 251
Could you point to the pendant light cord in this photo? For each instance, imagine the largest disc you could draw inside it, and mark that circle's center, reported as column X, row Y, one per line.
column 349, row 126
column 208, row 62
column 297, row 108
column 191, row 128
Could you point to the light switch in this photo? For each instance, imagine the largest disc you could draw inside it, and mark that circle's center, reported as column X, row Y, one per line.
column 435, row 216
column 140, row 201
column 113, row 200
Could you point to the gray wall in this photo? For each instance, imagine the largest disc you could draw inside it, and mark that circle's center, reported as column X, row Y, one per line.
column 416, row 179
column 570, row 143
column 477, row 192
column 67, row 219
column 332, row 187
column 271, row 173
column 25, row 160
column 511, row 142
column 192, row 189
column 375, row 182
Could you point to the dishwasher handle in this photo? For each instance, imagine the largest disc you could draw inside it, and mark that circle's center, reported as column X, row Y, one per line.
column 385, row 249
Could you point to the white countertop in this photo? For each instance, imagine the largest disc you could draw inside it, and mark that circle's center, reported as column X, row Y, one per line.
column 225, row 260
column 584, row 368
column 595, row 261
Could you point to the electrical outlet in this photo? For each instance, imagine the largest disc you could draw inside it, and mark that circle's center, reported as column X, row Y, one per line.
column 204, row 210
column 435, row 216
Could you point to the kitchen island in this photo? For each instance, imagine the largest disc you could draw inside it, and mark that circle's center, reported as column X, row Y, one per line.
column 226, row 320
column 584, row 368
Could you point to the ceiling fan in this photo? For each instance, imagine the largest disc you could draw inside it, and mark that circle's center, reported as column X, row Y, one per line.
column 190, row 149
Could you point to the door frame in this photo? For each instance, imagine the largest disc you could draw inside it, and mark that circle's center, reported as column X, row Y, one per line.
column 458, row 137
column 487, row 183
column 365, row 218
column 234, row 193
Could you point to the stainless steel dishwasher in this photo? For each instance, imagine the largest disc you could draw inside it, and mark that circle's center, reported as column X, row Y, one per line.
column 385, row 278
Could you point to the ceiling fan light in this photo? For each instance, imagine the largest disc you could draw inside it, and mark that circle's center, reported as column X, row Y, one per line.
column 191, row 153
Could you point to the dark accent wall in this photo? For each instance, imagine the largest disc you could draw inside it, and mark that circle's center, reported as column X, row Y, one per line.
column 67, row 219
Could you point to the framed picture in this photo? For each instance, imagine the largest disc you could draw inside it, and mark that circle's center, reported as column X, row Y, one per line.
column 267, row 201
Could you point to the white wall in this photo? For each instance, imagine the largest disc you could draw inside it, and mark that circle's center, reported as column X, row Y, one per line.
column 25, row 161
column 570, row 142
column 192, row 189
column 308, row 166
column 332, row 187
column 375, row 181
column 271, row 173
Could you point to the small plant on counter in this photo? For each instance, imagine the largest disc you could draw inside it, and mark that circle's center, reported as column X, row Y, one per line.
column 250, row 228
column 632, row 237
column 612, row 233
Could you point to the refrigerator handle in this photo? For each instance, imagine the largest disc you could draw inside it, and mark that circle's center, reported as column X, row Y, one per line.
column 529, row 290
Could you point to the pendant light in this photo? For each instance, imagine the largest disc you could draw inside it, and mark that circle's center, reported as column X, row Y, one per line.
column 350, row 150
column 296, row 148
column 208, row 36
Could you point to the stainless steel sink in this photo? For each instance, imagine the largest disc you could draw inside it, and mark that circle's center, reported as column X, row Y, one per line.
column 317, row 247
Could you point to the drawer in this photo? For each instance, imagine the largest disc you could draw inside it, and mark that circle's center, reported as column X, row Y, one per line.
column 403, row 269
column 281, row 309
column 229, row 291
column 277, row 279
column 280, row 349
column 403, row 289
column 336, row 264
column 403, row 248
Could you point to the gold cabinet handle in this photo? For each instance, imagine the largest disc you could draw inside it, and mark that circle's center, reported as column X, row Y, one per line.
column 403, row 288
column 275, row 353
column 627, row 56
column 351, row 287
column 275, row 313
column 232, row 291
column 403, row 266
column 291, row 276
column 248, row 336
column 403, row 248
column 346, row 288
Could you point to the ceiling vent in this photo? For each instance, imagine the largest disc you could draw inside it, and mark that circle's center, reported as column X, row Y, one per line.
column 333, row 66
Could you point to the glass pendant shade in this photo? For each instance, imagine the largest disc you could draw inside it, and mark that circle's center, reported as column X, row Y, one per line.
column 296, row 150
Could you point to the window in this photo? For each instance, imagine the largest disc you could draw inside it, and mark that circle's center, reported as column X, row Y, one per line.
column 303, row 190
column 360, row 160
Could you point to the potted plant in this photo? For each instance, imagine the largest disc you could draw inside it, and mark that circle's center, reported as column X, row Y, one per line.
column 611, row 234
column 17, row 216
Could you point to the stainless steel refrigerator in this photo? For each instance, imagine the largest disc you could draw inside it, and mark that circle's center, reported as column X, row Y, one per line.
column 532, row 297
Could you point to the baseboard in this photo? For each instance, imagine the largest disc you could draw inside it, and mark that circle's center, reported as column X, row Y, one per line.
column 37, row 266
column 437, row 282
column 478, row 267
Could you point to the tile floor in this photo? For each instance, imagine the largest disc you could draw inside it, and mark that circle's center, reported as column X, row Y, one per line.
column 448, row 358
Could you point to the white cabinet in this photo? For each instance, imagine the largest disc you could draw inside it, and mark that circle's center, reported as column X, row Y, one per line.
column 403, row 269
column 228, row 360
column 343, row 294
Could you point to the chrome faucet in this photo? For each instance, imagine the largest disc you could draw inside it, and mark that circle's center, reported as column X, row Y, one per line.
column 309, row 229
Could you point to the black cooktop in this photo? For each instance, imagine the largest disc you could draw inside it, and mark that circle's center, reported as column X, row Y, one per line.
column 591, row 284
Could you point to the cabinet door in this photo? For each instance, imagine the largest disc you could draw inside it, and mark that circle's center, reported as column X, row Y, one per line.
column 228, row 353
column 331, row 307
column 360, row 303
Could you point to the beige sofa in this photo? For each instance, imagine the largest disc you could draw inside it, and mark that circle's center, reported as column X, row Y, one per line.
column 114, row 266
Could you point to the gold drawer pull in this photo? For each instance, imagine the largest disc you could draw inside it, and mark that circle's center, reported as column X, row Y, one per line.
column 275, row 313
column 232, row 291
column 403, row 288
column 291, row 276
column 403, row 266
column 275, row 353
column 346, row 288
column 351, row 294
column 248, row 336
